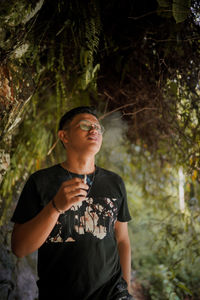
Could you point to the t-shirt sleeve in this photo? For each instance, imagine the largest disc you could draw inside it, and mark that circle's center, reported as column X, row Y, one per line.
column 28, row 205
column 123, row 214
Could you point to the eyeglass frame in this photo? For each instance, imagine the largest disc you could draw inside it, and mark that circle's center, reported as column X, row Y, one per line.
column 97, row 126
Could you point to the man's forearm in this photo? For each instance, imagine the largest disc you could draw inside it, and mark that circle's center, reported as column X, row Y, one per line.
column 28, row 237
column 125, row 260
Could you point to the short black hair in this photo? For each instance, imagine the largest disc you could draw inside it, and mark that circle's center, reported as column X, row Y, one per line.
column 69, row 115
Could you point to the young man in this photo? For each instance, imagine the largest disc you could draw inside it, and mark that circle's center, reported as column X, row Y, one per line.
column 76, row 215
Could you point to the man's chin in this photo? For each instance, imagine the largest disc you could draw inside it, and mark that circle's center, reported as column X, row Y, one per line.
column 92, row 148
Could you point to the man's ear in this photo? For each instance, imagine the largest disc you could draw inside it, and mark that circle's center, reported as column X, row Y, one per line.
column 62, row 135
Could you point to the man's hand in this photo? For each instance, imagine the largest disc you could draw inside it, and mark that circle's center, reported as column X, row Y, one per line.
column 71, row 192
column 124, row 248
column 29, row 236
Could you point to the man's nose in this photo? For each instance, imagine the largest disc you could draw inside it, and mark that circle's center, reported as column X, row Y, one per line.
column 93, row 128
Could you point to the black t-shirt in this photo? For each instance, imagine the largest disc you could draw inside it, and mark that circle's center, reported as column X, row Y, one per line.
column 80, row 256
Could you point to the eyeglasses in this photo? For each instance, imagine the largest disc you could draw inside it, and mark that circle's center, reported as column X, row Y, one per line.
column 87, row 126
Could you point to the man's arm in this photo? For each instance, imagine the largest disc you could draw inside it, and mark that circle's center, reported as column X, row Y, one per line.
column 124, row 249
column 29, row 236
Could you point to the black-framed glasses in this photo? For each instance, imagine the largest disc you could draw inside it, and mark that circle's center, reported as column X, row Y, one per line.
column 86, row 125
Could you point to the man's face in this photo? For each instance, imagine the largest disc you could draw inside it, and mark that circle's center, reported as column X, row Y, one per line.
column 79, row 138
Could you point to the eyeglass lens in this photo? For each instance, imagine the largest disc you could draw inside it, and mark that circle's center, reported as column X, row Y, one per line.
column 87, row 126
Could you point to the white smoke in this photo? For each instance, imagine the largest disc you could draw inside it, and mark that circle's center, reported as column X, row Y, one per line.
column 113, row 152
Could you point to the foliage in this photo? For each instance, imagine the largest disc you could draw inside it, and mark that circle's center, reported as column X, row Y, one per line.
column 68, row 48
column 166, row 255
column 31, row 145
column 137, row 57
column 179, row 9
column 61, row 74
column 165, row 241
column 152, row 84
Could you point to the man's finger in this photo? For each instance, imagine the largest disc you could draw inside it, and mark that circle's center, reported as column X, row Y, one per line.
column 75, row 183
column 77, row 193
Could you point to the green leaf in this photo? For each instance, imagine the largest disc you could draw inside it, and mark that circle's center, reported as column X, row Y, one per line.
column 183, row 287
column 164, row 3
column 180, row 10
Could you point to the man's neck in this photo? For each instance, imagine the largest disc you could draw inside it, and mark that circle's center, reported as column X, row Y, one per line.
column 79, row 165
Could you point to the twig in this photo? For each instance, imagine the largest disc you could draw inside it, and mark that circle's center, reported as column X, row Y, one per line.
column 143, row 16
column 116, row 109
column 54, row 145
column 174, row 40
column 106, row 106
column 134, row 113
column 156, row 11
column 109, row 97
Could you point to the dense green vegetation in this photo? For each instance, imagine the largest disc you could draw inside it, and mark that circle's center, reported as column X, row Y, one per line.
column 138, row 63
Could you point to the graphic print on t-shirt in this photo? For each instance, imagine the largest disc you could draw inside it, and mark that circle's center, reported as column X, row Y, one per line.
column 93, row 217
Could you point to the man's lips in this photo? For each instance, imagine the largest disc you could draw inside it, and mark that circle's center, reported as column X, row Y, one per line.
column 93, row 137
